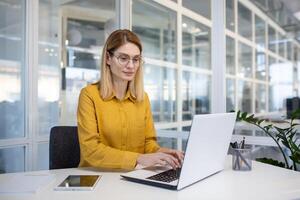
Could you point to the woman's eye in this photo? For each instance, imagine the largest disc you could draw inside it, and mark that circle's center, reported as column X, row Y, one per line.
column 123, row 59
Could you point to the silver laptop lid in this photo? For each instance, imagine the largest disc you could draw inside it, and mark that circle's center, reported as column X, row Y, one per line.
column 207, row 147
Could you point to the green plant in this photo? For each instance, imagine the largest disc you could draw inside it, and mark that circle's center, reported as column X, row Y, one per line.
column 283, row 137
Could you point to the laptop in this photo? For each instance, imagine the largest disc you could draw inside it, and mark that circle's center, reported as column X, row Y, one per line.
column 205, row 154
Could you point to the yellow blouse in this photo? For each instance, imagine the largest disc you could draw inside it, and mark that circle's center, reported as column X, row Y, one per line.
column 112, row 133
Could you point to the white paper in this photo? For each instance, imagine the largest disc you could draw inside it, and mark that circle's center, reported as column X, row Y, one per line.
column 26, row 183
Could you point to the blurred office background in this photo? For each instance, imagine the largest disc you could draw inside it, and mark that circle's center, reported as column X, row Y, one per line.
column 50, row 49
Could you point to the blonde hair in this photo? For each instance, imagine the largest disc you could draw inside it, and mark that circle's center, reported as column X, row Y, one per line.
column 113, row 42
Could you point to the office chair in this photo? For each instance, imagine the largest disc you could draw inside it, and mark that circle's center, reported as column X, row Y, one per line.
column 64, row 150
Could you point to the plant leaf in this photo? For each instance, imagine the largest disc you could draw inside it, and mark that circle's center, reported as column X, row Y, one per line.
column 271, row 162
column 238, row 115
column 260, row 121
column 244, row 115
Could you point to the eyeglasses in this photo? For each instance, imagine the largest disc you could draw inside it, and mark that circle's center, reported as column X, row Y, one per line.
column 124, row 59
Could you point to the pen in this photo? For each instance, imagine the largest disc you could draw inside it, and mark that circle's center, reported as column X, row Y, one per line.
column 235, row 144
column 243, row 143
column 237, row 162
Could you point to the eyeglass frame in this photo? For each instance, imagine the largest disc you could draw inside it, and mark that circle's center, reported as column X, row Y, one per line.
column 141, row 60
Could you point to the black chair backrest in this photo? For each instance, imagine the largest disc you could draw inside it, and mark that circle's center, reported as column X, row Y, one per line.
column 64, row 150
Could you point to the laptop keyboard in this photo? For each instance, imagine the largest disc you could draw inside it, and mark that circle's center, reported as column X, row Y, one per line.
column 166, row 176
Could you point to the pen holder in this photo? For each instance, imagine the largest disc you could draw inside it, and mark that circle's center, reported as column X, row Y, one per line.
column 241, row 159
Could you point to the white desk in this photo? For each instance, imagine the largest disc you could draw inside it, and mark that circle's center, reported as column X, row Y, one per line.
column 264, row 182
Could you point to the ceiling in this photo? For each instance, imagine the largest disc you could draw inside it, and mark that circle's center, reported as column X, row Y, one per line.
column 292, row 5
column 286, row 13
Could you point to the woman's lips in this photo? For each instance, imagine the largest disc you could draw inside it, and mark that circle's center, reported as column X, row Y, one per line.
column 129, row 73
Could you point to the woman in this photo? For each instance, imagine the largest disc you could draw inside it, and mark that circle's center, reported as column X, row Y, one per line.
column 114, row 117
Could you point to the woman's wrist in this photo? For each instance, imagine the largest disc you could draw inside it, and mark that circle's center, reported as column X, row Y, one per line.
column 163, row 150
column 138, row 158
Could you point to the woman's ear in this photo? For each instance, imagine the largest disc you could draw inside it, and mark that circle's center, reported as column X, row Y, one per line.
column 108, row 59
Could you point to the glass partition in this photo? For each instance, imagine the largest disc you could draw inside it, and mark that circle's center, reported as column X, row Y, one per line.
column 230, row 56
column 260, row 70
column 159, row 33
column 12, row 159
column 12, row 69
column 196, row 95
column 230, row 95
column 260, row 32
column 281, row 85
column 245, row 96
column 160, row 84
column 230, row 23
column 244, row 21
column 196, row 44
column 260, row 98
column 272, row 39
column 245, row 60
column 281, row 45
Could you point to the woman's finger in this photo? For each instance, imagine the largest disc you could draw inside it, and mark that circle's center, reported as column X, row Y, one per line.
column 175, row 160
column 180, row 155
column 169, row 160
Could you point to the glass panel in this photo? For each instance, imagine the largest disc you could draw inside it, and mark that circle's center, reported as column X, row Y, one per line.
column 184, row 143
column 230, row 95
column 263, row 134
column 49, row 68
column 230, row 55
column 272, row 39
column 298, row 66
column 186, row 128
column 167, row 142
column 277, row 96
column 281, row 45
column 244, row 21
column 230, row 24
column 160, row 84
column 202, row 7
column 243, row 132
column 260, row 72
column 83, row 38
column 195, row 44
column 12, row 160
column 281, row 84
column 245, row 96
column 159, row 33
column 280, row 72
column 43, row 156
column 245, row 61
column 261, row 98
column 196, row 90
column 272, row 64
column 260, row 32
column 12, row 52
column 289, row 50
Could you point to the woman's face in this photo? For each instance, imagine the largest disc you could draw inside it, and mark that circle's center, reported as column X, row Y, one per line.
column 124, row 62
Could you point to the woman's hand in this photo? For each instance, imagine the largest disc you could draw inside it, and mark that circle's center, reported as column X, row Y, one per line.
column 179, row 155
column 158, row 158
